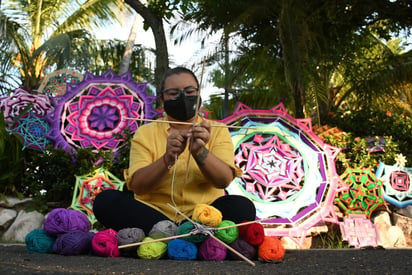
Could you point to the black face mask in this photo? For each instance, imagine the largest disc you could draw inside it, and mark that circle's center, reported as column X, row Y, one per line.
column 182, row 108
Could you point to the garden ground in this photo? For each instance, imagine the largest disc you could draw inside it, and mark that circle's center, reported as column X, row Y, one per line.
column 14, row 259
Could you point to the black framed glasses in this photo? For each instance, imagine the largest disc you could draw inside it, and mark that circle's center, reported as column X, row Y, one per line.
column 174, row 93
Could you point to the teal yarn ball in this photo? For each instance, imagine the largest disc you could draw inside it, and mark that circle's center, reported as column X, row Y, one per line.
column 187, row 227
column 37, row 241
column 228, row 235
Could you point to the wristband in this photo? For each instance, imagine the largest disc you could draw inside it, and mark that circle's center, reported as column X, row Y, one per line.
column 168, row 166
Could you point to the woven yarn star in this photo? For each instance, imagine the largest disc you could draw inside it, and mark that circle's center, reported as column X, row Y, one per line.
column 288, row 172
column 94, row 114
column 364, row 194
column 32, row 129
column 397, row 187
column 21, row 101
column 56, row 83
column 88, row 186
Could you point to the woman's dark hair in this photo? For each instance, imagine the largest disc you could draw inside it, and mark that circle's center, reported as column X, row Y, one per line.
column 176, row 70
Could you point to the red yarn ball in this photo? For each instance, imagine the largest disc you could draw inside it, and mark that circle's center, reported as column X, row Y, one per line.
column 253, row 233
column 271, row 249
column 105, row 244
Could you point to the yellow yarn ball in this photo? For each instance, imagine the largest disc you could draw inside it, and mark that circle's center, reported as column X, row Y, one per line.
column 207, row 215
column 151, row 251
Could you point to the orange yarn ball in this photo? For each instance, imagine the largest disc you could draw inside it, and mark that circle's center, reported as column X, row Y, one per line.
column 207, row 215
column 271, row 249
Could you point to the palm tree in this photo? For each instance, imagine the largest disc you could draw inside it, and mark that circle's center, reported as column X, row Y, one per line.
column 43, row 34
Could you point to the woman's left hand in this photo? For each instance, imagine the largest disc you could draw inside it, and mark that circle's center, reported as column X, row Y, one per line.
column 200, row 135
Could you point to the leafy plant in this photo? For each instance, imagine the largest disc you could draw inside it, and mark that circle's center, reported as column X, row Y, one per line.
column 12, row 161
column 50, row 176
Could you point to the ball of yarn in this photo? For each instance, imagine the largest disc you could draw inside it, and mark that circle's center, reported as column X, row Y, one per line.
column 178, row 249
column 271, row 249
column 104, row 243
column 62, row 220
column 253, row 233
column 130, row 235
column 207, row 215
column 212, row 250
column 73, row 243
column 163, row 229
column 38, row 241
column 151, row 251
column 227, row 235
column 187, row 227
column 244, row 248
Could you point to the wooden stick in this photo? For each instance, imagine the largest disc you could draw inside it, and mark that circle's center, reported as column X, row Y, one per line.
column 214, row 237
column 156, row 240
column 232, row 249
column 187, row 123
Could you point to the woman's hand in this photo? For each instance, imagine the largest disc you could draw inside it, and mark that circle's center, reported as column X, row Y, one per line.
column 200, row 135
column 176, row 143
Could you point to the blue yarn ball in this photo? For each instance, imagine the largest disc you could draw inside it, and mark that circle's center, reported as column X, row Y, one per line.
column 181, row 250
column 37, row 241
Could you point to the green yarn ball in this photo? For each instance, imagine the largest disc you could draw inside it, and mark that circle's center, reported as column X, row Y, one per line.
column 151, row 251
column 187, row 227
column 228, row 235
column 37, row 241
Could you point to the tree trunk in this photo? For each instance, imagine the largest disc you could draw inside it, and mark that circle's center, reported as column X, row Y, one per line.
column 292, row 55
column 227, row 78
column 128, row 51
column 156, row 25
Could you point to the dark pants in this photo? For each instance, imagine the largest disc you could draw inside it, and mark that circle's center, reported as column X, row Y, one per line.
column 116, row 209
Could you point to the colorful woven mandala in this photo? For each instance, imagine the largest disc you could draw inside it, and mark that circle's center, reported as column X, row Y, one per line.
column 88, row 186
column 288, row 172
column 359, row 231
column 364, row 194
column 98, row 111
column 21, row 101
column 397, row 187
column 32, row 129
column 56, row 83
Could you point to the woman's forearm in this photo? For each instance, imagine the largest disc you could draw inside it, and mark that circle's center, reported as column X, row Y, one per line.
column 214, row 169
column 148, row 178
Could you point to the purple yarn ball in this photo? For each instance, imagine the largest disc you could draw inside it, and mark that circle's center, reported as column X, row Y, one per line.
column 73, row 243
column 62, row 220
column 212, row 250
column 244, row 248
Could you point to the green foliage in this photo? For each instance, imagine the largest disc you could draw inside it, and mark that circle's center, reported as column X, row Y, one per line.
column 330, row 240
column 395, row 128
column 355, row 152
column 50, row 176
column 12, row 161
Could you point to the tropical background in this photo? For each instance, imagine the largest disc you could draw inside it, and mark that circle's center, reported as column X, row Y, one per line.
column 345, row 64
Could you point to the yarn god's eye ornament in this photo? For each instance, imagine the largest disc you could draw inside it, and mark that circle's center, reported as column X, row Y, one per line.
column 21, row 101
column 56, row 83
column 397, row 187
column 364, row 194
column 87, row 187
column 92, row 114
column 288, row 171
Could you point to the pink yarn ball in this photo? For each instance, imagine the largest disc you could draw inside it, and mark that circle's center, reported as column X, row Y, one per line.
column 212, row 250
column 104, row 243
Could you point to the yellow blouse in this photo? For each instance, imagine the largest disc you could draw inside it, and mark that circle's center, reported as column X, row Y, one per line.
column 149, row 144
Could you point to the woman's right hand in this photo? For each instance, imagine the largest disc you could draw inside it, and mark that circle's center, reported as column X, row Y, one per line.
column 176, row 143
